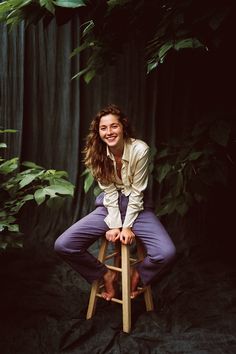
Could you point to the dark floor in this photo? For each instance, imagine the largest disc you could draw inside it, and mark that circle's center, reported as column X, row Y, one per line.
column 43, row 305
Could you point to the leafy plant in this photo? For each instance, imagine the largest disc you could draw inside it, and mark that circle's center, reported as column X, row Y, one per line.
column 188, row 170
column 162, row 26
column 22, row 183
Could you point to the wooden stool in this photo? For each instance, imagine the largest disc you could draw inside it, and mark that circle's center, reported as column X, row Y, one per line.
column 121, row 255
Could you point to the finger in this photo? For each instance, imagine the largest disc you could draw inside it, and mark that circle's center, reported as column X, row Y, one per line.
column 122, row 239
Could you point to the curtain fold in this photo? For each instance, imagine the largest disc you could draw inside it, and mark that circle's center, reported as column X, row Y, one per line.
column 12, row 86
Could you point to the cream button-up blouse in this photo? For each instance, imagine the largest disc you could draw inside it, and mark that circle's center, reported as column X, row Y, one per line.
column 134, row 180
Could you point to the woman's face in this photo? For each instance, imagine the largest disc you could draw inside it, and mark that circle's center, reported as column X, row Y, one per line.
column 111, row 132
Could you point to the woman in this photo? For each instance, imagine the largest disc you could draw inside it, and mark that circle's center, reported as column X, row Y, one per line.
column 120, row 165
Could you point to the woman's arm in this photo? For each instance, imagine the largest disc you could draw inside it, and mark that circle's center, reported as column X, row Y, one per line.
column 139, row 184
column 110, row 201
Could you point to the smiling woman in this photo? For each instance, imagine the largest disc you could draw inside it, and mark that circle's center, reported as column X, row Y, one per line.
column 111, row 132
column 120, row 164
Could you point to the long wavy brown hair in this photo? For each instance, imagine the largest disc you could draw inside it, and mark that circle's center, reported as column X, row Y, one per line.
column 95, row 151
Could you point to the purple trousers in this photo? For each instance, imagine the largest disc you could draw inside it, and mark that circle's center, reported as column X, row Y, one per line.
column 72, row 245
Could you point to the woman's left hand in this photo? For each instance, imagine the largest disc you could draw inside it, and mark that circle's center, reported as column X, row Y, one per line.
column 127, row 236
column 113, row 235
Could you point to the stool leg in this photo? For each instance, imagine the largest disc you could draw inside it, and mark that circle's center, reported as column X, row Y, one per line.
column 126, row 301
column 95, row 285
column 148, row 291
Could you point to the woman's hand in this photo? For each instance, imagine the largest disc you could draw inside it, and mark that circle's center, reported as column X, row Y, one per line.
column 127, row 236
column 113, row 235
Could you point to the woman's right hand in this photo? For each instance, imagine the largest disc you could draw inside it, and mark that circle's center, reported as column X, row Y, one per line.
column 113, row 235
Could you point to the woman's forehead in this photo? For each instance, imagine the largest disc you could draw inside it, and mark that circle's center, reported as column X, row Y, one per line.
column 109, row 119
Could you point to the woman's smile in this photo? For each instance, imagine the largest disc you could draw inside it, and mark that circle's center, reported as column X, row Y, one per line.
column 111, row 132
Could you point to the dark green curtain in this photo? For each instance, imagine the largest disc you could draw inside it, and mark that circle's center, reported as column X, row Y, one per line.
column 43, row 301
column 12, row 84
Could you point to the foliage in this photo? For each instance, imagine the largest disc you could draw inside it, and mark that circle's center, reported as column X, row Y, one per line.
column 163, row 26
column 12, row 12
column 22, row 183
column 188, row 170
column 89, row 182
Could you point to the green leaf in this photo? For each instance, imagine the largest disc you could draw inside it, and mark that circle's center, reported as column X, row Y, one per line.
column 182, row 208
column 167, row 208
column 194, row 155
column 162, row 171
column 220, row 132
column 164, row 50
column 48, row 4
column 89, row 26
column 28, row 197
column 97, row 190
column 80, row 73
column 187, row 43
column 82, row 47
column 179, row 184
column 85, row 172
column 59, row 189
column 3, row 145
column 14, row 228
column 113, row 3
column 7, row 130
column 9, row 166
column 89, row 76
column 60, row 174
column 30, row 164
column 51, row 191
column 151, row 66
column 70, row 3
column 39, row 196
column 88, row 182
column 163, row 153
column 28, row 179
column 62, row 182
column 3, row 244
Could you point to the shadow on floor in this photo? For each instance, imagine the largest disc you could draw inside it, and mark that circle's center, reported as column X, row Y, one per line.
column 43, row 306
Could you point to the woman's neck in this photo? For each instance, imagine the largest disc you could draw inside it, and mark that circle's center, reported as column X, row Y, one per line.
column 117, row 152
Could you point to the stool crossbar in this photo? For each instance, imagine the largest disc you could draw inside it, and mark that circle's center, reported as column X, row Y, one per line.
column 122, row 264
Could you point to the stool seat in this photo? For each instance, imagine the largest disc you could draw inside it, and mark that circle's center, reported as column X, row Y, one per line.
column 122, row 264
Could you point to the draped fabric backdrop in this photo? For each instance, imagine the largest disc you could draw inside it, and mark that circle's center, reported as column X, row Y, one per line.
column 44, row 301
column 52, row 113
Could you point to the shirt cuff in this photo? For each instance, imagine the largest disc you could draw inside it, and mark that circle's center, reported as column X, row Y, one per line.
column 130, row 218
column 113, row 219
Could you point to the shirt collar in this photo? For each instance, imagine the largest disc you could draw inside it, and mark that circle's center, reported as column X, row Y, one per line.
column 126, row 152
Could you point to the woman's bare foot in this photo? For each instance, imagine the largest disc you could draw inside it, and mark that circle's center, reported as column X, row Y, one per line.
column 134, row 283
column 109, row 279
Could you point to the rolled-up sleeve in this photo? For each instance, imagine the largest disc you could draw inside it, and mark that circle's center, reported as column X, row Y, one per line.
column 139, row 184
column 110, row 201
